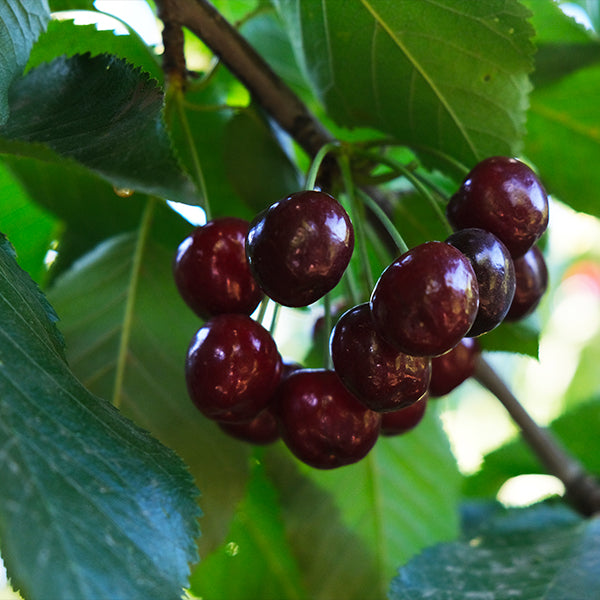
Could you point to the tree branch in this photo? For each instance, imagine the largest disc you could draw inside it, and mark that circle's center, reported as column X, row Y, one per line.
column 582, row 490
column 276, row 98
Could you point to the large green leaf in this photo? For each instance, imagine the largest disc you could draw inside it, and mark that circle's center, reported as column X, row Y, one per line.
column 564, row 116
column 20, row 25
column 101, row 112
column 450, row 75
column 127, row 332
column 30, row 228
column 64, row 38
column 350, row 527
column 577, row 430
column 87, row 206
column 255, row 561
column 91, row 506
column 540, row 552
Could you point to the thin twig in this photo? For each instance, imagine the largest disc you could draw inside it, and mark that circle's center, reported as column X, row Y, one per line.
column 582, row 490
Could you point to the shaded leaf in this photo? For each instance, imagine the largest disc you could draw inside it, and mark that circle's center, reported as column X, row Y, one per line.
column 20, row 25
column 255, row 561
column 539, row 552
column 91, row 506
column 450, row 75
column 101, row 112
column 372, row 515
column 521, row 337
column 138, row 358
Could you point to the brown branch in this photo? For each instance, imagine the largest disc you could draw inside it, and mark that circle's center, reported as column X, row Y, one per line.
column 173, row 65
column 582, row 490
column 276, row 98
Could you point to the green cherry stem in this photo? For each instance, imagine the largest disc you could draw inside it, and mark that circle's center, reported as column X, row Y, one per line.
column 358, row 220
column 385, row 221
column 262, row 311
column 315, row 165
column 187, row 132
column 417, row 184
column 327, row 328
column 275, row 318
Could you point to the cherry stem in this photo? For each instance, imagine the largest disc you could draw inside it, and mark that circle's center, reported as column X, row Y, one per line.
column 262, row 311
column 358, row 219
column 582, row 490
column 327, row 325
column 315, row 165
column 385, row 221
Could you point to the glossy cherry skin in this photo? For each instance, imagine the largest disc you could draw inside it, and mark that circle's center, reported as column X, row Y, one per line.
column 426, row 300
column 299, row 247
column 211, row 270
column 405, row 419
column 262, row 430
column 505, row 197
column 532, row 281
column 495, row 272
column 451, row 369
column 232, row 368
column 381, row 377
column 321, row 422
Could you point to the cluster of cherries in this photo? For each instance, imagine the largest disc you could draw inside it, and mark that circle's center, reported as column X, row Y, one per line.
column 415, row 338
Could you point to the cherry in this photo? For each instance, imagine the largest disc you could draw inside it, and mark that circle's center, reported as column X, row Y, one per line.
column 232, row 368
column 211, row 270
column 321, row 422
column 451, row 369
column 504, row 196
column 405, row 419
column 495, row 274
column 380, row 376
column 299, row 247
column 426, row 300
column 532, row 281
column 262, row 430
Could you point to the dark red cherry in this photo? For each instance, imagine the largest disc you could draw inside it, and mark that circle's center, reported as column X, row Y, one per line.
column 426, row 300
column 321, row 422
column 299, row 247
column 381, row 377
column 532, row 281
column 495, row 274
column 405, row 419
column 262, row 430
column 451, row 369
column 211, row 270
column 232, row 368
column 505, row 197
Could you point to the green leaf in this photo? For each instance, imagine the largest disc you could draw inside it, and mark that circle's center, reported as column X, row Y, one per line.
column 521, row 337
column 127, row 332
column 30, row 228
column 564, row 115
column 449, row 76
column 255, row 561
column 20, row 25
column 87, row 206
column 103, row 113
column 64, row 38
column 539, row 552
column 401, row 498
column 563, row 45
column 577, row 430
column 259, row 170
column 91, row 506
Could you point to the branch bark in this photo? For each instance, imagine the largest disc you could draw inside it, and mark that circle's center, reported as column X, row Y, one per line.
column 582, row 490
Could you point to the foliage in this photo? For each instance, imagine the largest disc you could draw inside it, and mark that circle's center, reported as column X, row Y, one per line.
column 105, row 464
